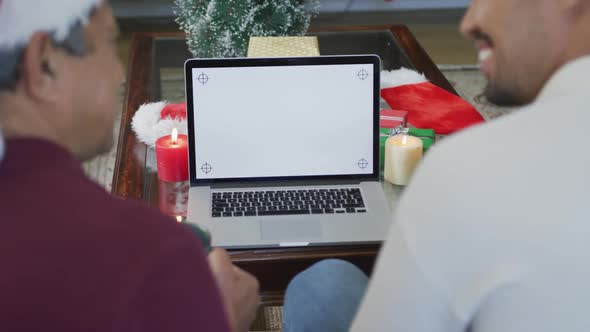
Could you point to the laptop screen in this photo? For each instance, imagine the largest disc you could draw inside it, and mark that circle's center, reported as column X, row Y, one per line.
column 283, row 118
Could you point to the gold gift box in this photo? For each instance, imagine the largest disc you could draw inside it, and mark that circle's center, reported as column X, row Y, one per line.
column 261, row 47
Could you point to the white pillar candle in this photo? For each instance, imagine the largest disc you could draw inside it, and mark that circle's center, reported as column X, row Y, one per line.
column 402, row 155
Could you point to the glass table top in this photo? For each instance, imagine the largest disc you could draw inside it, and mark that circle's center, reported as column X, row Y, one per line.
column 170, row 53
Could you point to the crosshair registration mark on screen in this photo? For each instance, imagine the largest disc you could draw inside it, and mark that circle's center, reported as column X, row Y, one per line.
column 203, row 78
column 206, row 168
column 363, row 74
column 363, row 163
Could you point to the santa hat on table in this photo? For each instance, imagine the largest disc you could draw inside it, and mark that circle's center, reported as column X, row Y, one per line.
column 20, row 19
column 154, row 120
column 428, row 106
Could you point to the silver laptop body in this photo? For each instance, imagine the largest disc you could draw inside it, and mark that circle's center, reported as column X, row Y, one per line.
column 285, row 151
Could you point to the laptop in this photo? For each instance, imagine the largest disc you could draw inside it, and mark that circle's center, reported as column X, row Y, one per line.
column 285, row 151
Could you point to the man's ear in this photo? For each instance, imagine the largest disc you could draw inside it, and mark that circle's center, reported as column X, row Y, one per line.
column 38, row 75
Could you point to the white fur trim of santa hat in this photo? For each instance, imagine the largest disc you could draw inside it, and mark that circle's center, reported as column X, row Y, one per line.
column 148, row 125
column 399, row 77
column 20, row 19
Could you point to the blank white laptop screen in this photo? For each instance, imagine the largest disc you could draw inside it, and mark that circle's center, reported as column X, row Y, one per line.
column 283, row 121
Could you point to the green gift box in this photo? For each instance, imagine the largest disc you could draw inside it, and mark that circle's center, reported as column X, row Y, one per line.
column 426, row 135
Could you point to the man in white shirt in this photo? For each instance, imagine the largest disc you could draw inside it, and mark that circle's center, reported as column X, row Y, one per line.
column 493, row 232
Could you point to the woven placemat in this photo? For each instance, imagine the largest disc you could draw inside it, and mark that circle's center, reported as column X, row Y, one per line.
column 268, row 319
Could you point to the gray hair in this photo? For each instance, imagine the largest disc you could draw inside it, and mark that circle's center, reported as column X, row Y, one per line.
column 74, row 44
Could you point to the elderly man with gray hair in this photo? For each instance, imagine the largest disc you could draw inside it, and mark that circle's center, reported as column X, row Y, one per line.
column 72, row 257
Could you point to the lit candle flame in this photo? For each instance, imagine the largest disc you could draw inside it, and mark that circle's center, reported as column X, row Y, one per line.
column 179, row 218
column 174, row 135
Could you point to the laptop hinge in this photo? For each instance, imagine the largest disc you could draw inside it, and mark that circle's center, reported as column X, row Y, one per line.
column 284, row 184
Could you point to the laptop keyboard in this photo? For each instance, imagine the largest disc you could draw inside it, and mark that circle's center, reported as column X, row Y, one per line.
column 286, row 202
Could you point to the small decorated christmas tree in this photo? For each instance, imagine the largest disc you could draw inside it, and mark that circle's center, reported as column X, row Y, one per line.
column 222, row 28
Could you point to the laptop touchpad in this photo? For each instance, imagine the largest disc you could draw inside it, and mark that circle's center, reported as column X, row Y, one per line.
column 300, row 230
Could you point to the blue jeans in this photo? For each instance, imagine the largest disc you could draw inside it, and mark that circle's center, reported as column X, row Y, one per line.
column 324, row 297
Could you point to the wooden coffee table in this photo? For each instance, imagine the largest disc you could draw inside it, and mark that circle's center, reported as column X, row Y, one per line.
column 153, row 53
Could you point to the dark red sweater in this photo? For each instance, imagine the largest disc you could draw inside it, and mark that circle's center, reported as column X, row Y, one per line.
column 74, row 258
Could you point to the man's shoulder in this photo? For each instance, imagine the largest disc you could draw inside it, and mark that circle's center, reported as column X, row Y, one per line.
column 125, row 219
column 503, row 148
column 481, row 148
column 99, row 209
column 464, row 180
column 63, row 203
column 75, row 236
column 471, row 184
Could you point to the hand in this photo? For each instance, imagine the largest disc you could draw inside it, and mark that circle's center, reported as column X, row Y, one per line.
column 239, row 290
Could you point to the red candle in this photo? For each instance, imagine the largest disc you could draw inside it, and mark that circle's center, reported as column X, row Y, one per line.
column 172, row 157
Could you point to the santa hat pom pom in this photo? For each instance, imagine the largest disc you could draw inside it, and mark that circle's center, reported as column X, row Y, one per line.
column 154, row 120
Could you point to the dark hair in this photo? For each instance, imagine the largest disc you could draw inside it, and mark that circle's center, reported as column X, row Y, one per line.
column 74, row 44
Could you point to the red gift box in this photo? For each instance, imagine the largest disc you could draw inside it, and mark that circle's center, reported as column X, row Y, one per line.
column 393, row 118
